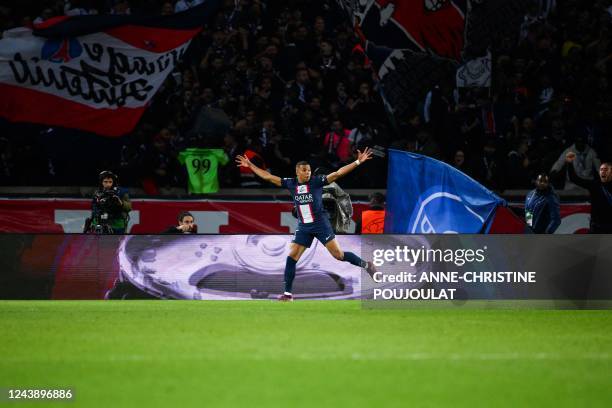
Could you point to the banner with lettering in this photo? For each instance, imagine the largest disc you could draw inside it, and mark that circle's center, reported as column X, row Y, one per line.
column 94, row 73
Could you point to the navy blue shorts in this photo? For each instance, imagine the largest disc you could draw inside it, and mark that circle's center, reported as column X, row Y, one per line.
column 304, row 234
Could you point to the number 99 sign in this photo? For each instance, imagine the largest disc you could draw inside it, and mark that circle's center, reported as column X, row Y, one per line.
column 201, row 165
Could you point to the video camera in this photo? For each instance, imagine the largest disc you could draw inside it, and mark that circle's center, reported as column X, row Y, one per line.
column 106, row 206
column 108, row 201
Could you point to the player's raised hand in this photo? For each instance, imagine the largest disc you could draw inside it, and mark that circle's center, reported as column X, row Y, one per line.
column 242, row 161
column 365, row 155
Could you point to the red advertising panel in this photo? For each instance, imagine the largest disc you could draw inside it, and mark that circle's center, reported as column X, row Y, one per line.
column 212, row 216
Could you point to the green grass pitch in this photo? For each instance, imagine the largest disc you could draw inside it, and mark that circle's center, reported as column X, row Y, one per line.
column 304, row 354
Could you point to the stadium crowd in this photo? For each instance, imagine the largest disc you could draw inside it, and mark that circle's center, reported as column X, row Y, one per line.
column 288, row 81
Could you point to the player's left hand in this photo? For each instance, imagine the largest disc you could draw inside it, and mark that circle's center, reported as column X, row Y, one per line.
column 365, row 155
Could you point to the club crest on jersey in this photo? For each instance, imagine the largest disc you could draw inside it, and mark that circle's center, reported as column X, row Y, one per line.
column 303, row 189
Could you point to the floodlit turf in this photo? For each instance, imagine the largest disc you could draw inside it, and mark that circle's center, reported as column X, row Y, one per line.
column 305, row 354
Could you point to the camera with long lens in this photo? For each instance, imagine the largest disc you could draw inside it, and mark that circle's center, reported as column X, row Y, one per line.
column 107, row 206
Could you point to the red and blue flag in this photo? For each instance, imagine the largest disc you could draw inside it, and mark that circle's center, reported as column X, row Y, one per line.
column 93, row 73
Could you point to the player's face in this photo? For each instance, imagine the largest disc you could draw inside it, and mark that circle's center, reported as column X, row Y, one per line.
column 605, row 173
column 303, row 173
column 107, row 183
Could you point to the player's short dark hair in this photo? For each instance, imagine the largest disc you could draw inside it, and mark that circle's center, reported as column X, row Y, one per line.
column 302, row 163
column 182, row 215
column 606, row 163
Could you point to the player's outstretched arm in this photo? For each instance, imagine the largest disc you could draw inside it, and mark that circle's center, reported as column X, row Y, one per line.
column 343, row 171
column 243, row 161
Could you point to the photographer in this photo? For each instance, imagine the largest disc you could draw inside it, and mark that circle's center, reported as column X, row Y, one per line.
column 185, row 225
column 109, row 208
column 337, row 203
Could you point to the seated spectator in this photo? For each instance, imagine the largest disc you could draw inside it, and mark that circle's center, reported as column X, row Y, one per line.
column 185, row 225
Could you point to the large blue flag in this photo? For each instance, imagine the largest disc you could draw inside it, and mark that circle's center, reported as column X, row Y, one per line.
column 427, row 196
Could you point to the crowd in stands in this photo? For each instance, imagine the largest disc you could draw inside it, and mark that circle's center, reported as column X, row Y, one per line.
column 288, row 81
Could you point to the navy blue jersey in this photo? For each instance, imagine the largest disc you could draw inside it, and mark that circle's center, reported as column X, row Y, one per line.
column 308, row 198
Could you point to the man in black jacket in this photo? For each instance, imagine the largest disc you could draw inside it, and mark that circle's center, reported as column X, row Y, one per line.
column 601, row 195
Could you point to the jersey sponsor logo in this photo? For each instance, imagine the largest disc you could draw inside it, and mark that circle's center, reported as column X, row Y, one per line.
column 304, row 198
column 444, row 213
column 303, row 194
